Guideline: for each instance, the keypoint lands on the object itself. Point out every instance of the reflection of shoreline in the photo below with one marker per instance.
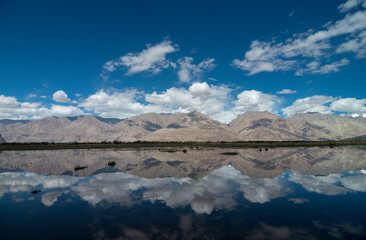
(218, 190)
(194, 164)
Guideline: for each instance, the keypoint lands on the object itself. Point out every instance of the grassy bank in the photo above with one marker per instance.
(144, 145)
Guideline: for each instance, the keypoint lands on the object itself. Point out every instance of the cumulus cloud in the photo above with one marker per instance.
(254, 100)
(349, 105)
(6, 102)
(58, 110)
(216, 101)
(152, 59)
(60, 96)
(11, 108)
(327, 105)
(311, 49)
(208, 99)
(119, 104)
(314, 103)
(287, 91)
(189, 71)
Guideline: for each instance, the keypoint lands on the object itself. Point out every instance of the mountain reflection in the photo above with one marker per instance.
(194, 164)
(223, 179)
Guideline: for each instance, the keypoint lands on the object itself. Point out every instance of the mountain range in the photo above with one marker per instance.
(193, 126)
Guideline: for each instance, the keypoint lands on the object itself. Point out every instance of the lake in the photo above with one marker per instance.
(279, 193)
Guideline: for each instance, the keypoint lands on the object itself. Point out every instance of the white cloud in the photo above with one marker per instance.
(351, 4)
(153, 59)
(118, 104)
(207, 99)
(314, 103)
(356, 45)
(11, 108)
(32, 95)
(8, 102)
(310, 48)
(327, 105)
(58, 110)
(349, 105)
(254, 101)
(189, 71)
(262, 58)
(287, 91)
(60, 96)
(315, 67)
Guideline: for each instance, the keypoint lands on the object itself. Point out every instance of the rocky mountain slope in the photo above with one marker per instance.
(7, 124)
(265, 126)
(59, 129)
(327, 126)
(2, 139)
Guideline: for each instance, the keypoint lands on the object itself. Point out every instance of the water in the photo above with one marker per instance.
(298, 193)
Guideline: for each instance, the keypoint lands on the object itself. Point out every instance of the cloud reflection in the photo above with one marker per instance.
(221, 189)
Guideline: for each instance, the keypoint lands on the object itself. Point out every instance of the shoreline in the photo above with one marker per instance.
(197, 145)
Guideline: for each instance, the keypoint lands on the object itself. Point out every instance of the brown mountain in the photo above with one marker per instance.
(59, 129)
(265, 126)
(193, 126)
(2, 139)
(327, 126)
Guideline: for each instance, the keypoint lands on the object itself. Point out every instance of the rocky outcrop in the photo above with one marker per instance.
(2, 140)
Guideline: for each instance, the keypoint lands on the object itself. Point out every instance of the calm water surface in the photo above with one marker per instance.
(298, 193)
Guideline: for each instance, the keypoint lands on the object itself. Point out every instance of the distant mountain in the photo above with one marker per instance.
(59, 129)
(327, 126)
(8, 124)
(265, 126)
(193, 126)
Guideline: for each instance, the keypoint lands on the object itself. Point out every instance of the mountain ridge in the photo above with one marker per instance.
(193, 126)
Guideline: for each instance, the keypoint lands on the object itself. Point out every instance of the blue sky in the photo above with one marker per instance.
(222, 58)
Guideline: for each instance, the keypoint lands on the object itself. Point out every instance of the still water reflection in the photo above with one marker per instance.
(297, 193)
